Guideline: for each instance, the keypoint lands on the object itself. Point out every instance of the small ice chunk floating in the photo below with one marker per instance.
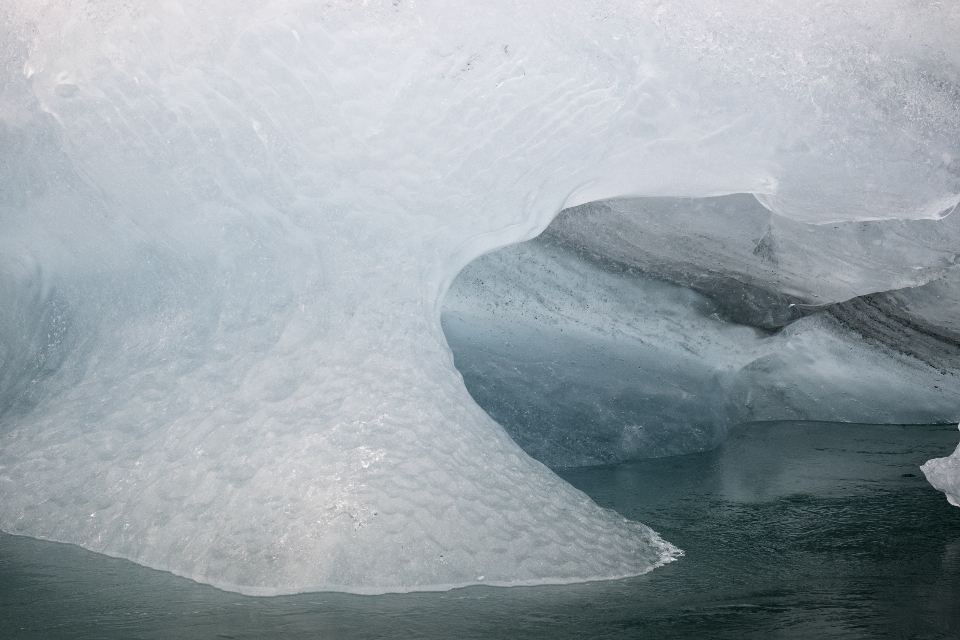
(944, 474)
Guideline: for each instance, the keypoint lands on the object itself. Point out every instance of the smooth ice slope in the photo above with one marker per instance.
(585, 366)
(761, 269)
(227, 228)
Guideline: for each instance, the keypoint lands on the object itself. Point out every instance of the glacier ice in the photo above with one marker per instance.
(228, 228)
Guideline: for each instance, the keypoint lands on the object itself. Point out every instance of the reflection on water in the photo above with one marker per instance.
(791, 530)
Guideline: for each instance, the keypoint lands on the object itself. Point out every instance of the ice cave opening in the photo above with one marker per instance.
(647, 327)
(230, 240)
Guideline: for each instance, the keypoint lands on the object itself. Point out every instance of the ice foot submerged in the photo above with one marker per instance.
(373, 479)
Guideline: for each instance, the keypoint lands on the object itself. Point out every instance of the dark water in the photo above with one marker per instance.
(791, 530)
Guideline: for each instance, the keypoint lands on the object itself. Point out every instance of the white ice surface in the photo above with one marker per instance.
(944, 474)
(228, 227)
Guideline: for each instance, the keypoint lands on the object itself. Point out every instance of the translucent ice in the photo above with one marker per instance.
(634, 345)
(760, 268)
(944, 474)
(228, 227)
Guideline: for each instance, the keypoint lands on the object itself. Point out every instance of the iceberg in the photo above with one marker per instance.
(229, 229)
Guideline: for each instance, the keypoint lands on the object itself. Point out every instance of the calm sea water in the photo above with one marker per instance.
(791, 530)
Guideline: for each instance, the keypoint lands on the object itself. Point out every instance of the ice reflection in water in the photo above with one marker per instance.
(791, 530)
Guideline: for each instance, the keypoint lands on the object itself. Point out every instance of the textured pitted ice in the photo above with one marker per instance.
(349, 497)
(229, 226)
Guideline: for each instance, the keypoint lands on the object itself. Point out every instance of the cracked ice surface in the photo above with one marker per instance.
(228, 228)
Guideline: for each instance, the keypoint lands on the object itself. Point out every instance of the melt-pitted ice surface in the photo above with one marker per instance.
(228, 228)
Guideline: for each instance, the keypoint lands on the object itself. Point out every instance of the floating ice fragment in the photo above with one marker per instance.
(944, 474)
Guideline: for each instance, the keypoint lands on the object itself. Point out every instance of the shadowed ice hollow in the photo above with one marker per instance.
(227, 229)
(647, 327)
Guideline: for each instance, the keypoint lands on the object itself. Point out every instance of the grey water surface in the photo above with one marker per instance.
(791, 530)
